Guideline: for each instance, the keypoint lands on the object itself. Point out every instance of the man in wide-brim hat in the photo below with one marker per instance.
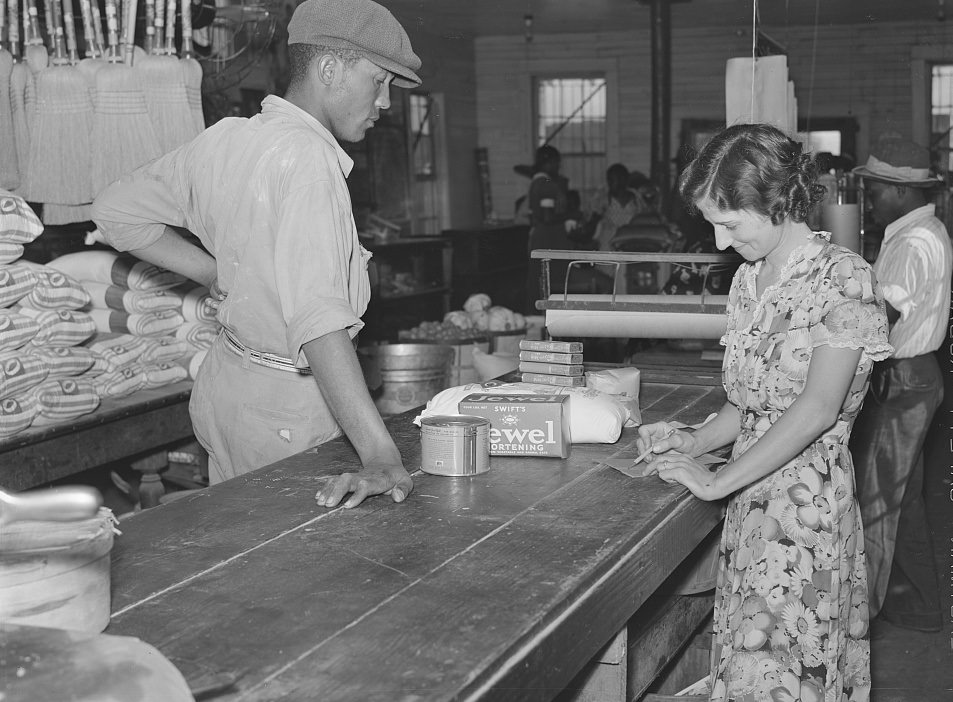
(914, 269)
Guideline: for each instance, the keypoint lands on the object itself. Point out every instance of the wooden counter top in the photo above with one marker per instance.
(497, 587)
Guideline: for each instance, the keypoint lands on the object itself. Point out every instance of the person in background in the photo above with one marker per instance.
(805, 324)
(914, 267)
(268, 200)
(615, 207)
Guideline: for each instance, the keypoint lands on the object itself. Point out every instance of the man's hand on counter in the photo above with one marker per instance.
(394, 481)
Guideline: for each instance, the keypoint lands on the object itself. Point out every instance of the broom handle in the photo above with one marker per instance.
(112, 30)
(98, 29)
(150, 26)
(3, 20)
(129, 25)
(88, 39)
(14, 30)
(169, 28)
(70, 25)
(160, 27)
(187, 28)
(34, 26)
(54, 20)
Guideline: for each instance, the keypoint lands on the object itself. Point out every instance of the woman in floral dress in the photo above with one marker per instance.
(805, 323)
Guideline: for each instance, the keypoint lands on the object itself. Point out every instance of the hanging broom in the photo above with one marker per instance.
(57, 213)
(9, 164)
(191, 69)
(164, 88)
(59, 148)
(123, 137)
(20, 76)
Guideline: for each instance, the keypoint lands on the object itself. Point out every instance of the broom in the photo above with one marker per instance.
(9, 164)
(59, 148)
(20, 76)
(56, 213)
(191, 69)
(123, 137)
(164, 88)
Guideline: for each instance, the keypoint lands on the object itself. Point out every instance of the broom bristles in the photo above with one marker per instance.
(192, 70)
(21, 102)
(9, 162)
(55, 213)
(123, 136)
(166, 100)
(59, 147)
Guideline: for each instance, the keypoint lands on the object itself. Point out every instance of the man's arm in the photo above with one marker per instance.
(338, 373)
(173, 252)
(139, 214)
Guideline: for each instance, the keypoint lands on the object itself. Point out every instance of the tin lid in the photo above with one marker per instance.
(454, 420)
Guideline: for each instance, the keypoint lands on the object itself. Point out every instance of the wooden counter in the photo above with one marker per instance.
(132, 427)
(497, 587)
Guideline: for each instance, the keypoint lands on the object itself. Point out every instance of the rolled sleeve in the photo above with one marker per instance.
(133, 212)
(314, 266)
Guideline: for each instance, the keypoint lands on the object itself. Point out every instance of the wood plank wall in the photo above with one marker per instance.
(859, 70)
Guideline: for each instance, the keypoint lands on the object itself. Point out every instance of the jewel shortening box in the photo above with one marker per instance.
(523, 425)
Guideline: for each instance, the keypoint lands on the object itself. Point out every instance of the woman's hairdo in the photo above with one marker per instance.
(754, 167)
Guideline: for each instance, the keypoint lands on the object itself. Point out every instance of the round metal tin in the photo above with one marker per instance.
(454, 444)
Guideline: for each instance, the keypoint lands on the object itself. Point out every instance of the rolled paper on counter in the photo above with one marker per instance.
(843, 222)
(641, 324)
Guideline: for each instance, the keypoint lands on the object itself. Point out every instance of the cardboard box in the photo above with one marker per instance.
(577, 381)
(551, 346)
(551, 368)
(523, 425)
(549, 357)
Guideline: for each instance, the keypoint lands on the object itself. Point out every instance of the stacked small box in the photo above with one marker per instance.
(552, 363)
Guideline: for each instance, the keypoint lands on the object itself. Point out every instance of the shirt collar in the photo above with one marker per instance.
(908, 219)
(273, 103)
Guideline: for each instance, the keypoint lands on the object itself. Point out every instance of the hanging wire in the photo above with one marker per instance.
(754, 58)
(810, 95)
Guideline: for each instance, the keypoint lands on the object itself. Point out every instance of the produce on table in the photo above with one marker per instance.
(477, 317)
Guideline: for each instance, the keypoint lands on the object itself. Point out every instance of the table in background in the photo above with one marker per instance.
(496, 587)
(139, 428)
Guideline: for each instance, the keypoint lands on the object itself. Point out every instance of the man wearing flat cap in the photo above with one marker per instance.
(914, 269)
(267, 198)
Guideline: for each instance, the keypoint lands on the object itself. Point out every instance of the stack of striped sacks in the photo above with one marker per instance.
(43, 372)
(153, 327)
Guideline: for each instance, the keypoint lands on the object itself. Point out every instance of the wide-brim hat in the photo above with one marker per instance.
(899, 162)
(360, 25)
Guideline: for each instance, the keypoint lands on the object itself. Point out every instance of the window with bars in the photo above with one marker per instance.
(941, 100)
(571, 116)
(421, 130)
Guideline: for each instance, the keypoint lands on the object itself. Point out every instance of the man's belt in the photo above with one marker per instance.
(269, 360)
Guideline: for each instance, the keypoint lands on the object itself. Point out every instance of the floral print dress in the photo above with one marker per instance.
(791, 604)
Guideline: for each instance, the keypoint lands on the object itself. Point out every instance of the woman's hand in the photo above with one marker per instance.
(662, 437)
(685, 470)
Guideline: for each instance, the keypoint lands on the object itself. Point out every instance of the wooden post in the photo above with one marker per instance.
(661, 23)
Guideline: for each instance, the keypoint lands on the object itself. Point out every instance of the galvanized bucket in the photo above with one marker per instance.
(405, 376)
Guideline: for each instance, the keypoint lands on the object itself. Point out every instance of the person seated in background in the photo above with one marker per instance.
(615, 207)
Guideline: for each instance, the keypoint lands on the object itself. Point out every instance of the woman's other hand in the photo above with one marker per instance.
(662, 437)
(685, 470)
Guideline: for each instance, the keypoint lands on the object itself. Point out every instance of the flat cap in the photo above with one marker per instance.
(361, 25)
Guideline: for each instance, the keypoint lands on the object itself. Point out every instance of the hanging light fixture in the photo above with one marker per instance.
(528, 26)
